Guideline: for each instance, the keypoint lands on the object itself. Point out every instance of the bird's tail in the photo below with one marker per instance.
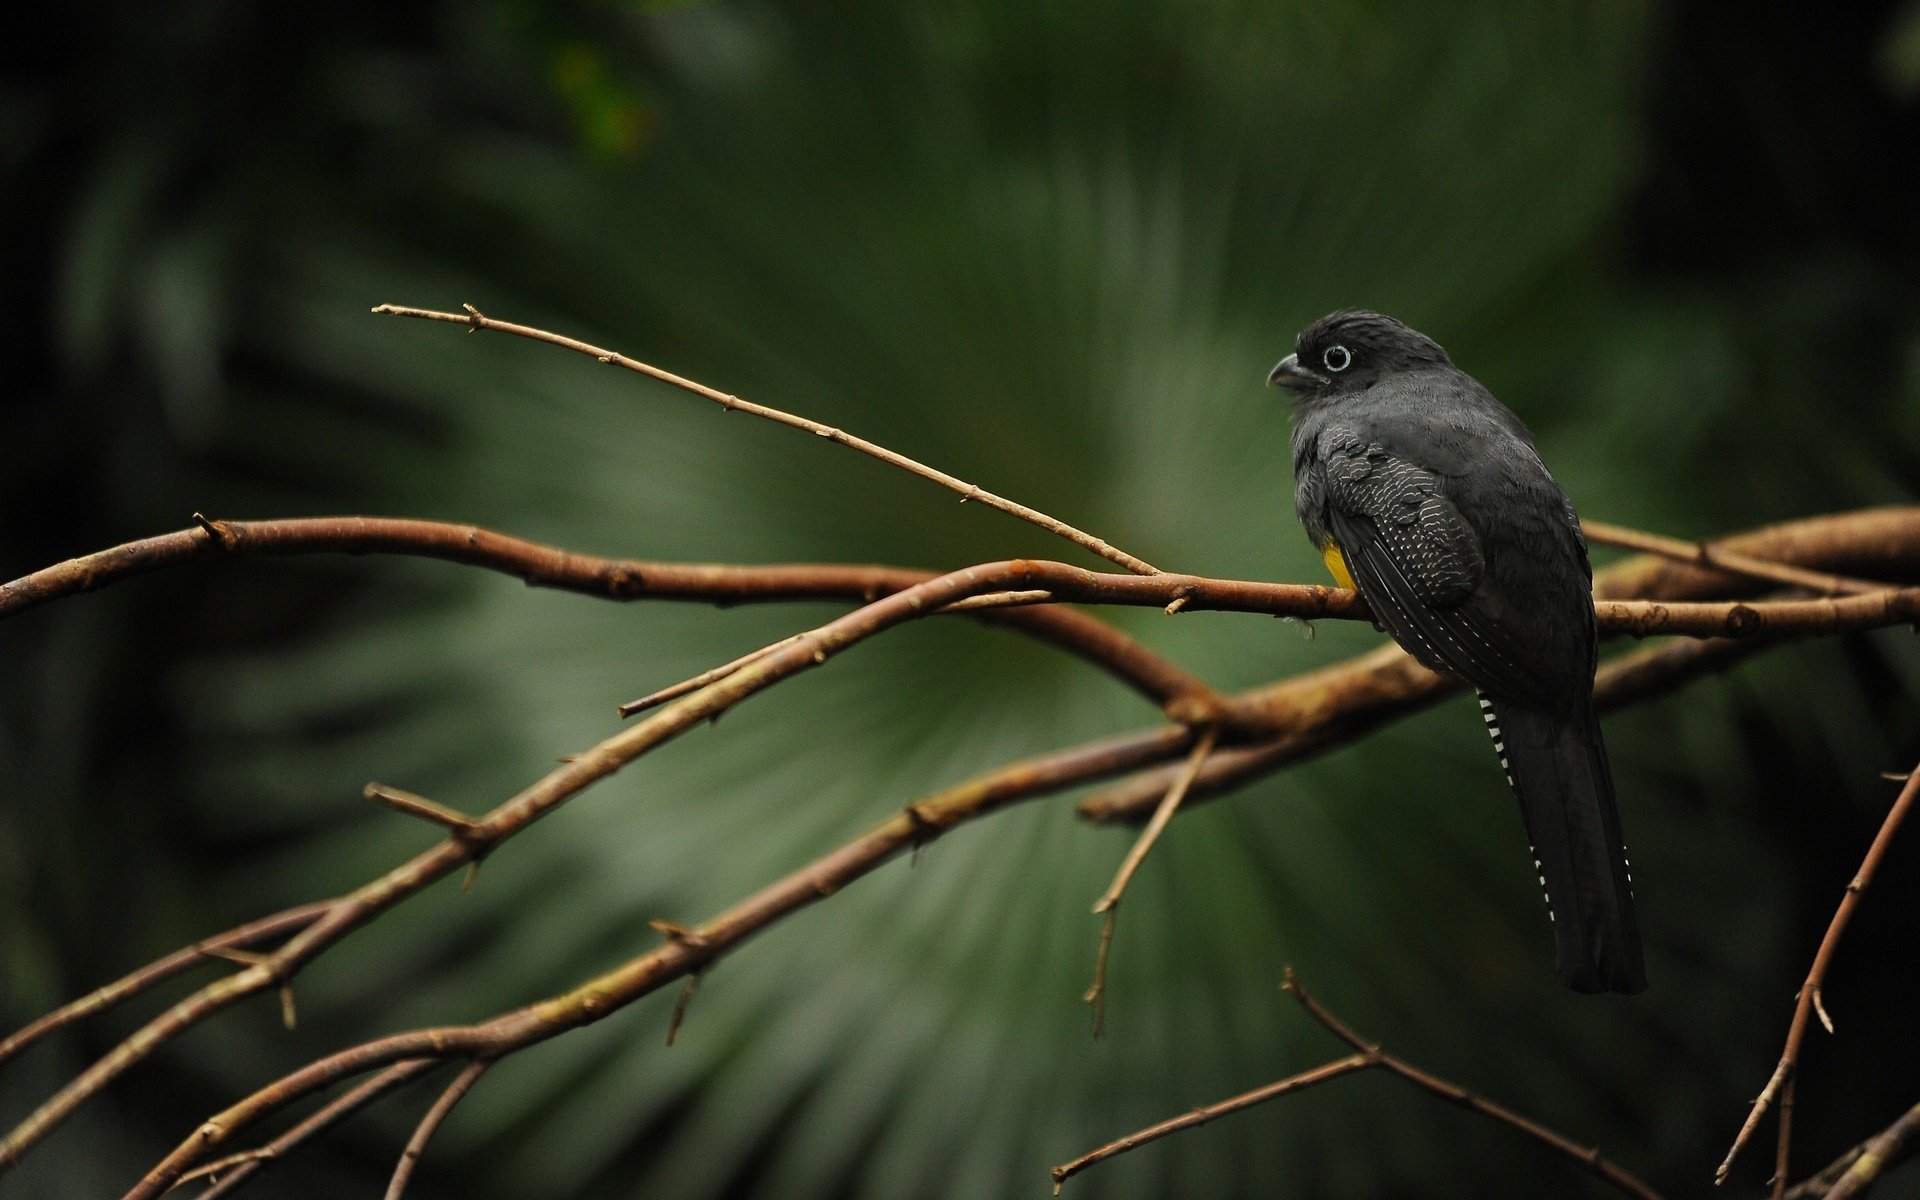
(1557, 765)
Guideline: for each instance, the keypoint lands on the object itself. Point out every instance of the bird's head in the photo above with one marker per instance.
(1349, 349)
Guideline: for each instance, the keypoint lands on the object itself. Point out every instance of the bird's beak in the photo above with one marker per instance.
(1294, 377)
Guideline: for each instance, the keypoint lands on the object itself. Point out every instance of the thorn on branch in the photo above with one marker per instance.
(680, 1006)
(679, 934)
(210, 1170)
(999, 600)
(922, 831)
(462, 827)
(220, 532)
(476, 320)
(687, 686)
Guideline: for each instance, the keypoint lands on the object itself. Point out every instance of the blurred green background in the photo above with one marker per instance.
(1052, 248)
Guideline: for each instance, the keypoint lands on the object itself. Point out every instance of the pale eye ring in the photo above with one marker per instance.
(1336, 358)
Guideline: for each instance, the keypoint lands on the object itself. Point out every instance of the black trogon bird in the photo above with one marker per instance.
(1427, 495)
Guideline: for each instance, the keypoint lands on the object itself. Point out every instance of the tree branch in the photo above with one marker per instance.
(153, 974)
(610, 578)
(484, 834)
(1705, 554)
(1293, 707)
(1108, 906)
(1781, 1085)
(699, 947)
(248, 1163)
(1855, 1172)
(1368, 1055)
(1211, 1112)
(676, 956)
(1367, 692)
(472, 318)
(1330, 706)
(430, 1124)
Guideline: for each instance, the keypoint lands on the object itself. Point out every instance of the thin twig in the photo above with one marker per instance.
(1210, 1112)
(1368, 1055)
(472, 318)
(1588, 1158)
(1704, 554)
(430, 1124)
(688, 686)
(1108, 906)
(251, 1162)
(1780, 1085)
(1110, 899)
(153, 974)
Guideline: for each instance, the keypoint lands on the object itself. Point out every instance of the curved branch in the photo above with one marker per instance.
(430, 1125)
(1884, 536)
(609, 578)
(249, 1163)
(473, 319)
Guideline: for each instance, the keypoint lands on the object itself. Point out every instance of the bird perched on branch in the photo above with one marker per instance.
(1426, 494)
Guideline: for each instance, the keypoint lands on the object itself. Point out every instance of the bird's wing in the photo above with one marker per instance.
(1422, 567)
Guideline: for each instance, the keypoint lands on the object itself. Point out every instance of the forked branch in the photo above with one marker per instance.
(1374, 688)
(1367, 1055)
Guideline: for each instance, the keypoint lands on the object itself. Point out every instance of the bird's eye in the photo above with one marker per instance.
(1337, 358)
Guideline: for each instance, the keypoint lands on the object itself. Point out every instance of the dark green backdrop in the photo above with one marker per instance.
(1052, 248)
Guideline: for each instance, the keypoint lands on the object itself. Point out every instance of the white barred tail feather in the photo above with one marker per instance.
(1557, 765)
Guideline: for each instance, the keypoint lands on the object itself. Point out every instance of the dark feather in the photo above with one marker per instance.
(1558, 768)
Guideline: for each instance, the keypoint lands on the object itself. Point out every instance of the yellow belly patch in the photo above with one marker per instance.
(1337, 565)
